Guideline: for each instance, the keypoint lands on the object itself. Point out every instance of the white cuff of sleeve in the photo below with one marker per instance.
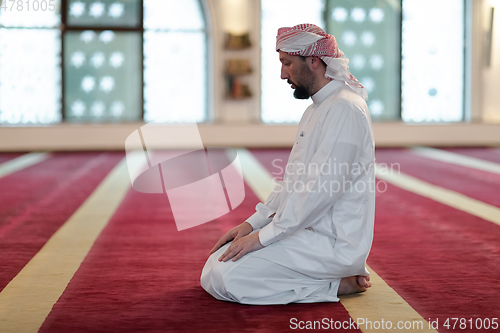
(257, 220)
(270, 234)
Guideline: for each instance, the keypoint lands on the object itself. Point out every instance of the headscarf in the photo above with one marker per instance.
(310, 40)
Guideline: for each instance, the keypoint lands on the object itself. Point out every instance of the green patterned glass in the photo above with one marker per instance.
(102, 76)
(107, 13)
(369, 34)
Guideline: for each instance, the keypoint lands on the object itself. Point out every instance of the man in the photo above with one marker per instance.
(309, 241)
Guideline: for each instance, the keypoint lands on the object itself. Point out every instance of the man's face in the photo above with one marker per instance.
(298, 74)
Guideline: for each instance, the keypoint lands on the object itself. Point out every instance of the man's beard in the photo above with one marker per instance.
(302, 91)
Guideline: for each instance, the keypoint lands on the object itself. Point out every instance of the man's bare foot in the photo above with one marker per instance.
(354, 284)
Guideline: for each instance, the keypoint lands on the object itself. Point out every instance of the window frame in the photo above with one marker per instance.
(466, 108)
(79, 28)
(139, 28)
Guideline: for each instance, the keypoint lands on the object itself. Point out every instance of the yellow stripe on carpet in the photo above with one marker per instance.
(27, 300)
(458, 159)
(255, 175)
(379, 303)
(451, 198)
(21, 162)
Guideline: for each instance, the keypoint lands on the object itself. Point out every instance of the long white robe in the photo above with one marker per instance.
(325, 208)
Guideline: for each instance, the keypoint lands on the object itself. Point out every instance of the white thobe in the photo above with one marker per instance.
(324, 210)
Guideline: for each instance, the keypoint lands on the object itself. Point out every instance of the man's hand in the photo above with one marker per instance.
(233, 235)
(241, 247)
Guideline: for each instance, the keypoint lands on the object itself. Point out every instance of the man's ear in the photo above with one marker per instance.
(315, 62)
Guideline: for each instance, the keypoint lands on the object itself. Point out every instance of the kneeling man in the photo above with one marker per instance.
(309, 241)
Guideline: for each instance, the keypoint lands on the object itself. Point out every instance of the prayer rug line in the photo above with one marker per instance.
(458, 159)
(21, 162)
(451, 198)
(29, 297)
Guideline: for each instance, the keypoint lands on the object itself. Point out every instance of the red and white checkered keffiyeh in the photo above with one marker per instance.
(310, 40)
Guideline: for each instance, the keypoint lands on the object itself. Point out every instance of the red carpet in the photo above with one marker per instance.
(443, 262)
(142, 275)
(477, 184)
(4, 157)
(40, 198)
(487, 154)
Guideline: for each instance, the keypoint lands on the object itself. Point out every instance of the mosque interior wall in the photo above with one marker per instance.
(237, 122)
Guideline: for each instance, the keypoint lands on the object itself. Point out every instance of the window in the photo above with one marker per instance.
(174, 48)
(278, 103)
(368, 32)
(433, 60)
(102, 75)
(408, 54)
(30, 60)
(112, 61)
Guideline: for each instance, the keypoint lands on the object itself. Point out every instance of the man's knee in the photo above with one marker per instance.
(221, 280)
(213, 275)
